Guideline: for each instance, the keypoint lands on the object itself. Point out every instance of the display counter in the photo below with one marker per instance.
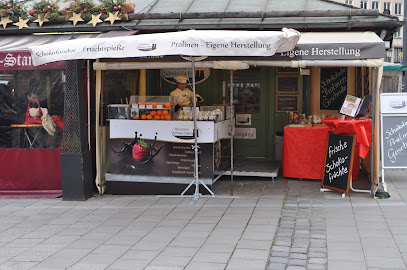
(304, 150)
(167, 155)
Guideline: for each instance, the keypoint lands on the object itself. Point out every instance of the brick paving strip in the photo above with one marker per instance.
(300, 241)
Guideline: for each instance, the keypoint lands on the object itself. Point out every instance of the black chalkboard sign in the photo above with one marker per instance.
(338, 162)
(333, 88)
(286, 103)
(394, 141)
(287, 84)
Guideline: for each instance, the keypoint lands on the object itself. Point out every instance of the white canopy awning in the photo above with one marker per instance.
(192, 43)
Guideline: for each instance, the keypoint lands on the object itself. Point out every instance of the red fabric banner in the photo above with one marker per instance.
(361, 127)
(30, 169)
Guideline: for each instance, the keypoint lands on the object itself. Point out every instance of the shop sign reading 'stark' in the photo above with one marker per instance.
(22, 61)
(9, 60)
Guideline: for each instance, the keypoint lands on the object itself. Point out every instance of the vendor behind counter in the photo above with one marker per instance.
(182, 96)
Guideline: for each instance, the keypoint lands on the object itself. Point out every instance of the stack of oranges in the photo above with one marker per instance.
(156, 115)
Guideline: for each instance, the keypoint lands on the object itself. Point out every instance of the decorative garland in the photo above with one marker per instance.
(77, 11)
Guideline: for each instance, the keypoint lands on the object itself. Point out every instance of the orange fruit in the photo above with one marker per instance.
(159, 112)
(149, 117)
(168, 117)
(162, 117)
(143, 117)
(154, 105)
(167, 105)
(157, 117)
(136, 117)
(165, 112)
(153, 113)
(143, 103)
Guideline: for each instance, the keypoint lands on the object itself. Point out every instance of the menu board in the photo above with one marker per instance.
(333, 88)
(338, 162)
(394, 141)
(287, 84)
(286, 103)
(350, 106)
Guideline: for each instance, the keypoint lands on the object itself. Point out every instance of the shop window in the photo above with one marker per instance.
(246, 91)
(48, 88)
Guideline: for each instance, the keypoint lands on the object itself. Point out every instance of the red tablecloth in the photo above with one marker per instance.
(361, 127)
(304, 152)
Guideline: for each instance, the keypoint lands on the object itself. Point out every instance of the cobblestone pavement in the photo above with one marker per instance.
(285, 224)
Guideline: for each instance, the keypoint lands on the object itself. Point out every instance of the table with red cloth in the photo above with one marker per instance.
(361, 127)
(304, 149)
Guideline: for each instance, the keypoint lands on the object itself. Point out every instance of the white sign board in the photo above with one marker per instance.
(393, 110)
(393, 103)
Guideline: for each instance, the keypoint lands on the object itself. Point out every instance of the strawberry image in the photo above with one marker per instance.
(141, 151)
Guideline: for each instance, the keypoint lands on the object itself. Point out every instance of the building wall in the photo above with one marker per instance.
(396, 9)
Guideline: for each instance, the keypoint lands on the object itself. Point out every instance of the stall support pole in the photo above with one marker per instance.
(196, 180)
(232, 132)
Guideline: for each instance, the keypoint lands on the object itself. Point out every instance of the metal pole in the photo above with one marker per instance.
(372, 108)
(232, 131)
(404, 62)
(196, 195)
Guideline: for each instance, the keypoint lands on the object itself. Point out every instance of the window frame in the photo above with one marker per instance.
(377, 4)
(387, 5)
(364, 4)
(398, 9)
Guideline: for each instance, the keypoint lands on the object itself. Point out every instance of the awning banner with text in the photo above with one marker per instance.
(189, 43)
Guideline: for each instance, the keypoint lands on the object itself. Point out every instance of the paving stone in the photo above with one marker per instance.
(274, 259)
(280, 248)
(317, 245)
(283, 243)
(280, 254)
(276, 266)
(295, 267)
(317, 260)
(300, 235)
(317, 254)
(317, 236)
(301, 256)
(317, 250)
(282, 238)
(299, 250)
(297, 262)
(316, 266)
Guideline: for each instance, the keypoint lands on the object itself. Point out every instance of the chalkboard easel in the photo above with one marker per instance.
(338, 162)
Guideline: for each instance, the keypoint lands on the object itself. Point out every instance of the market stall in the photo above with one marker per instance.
(318, 51)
